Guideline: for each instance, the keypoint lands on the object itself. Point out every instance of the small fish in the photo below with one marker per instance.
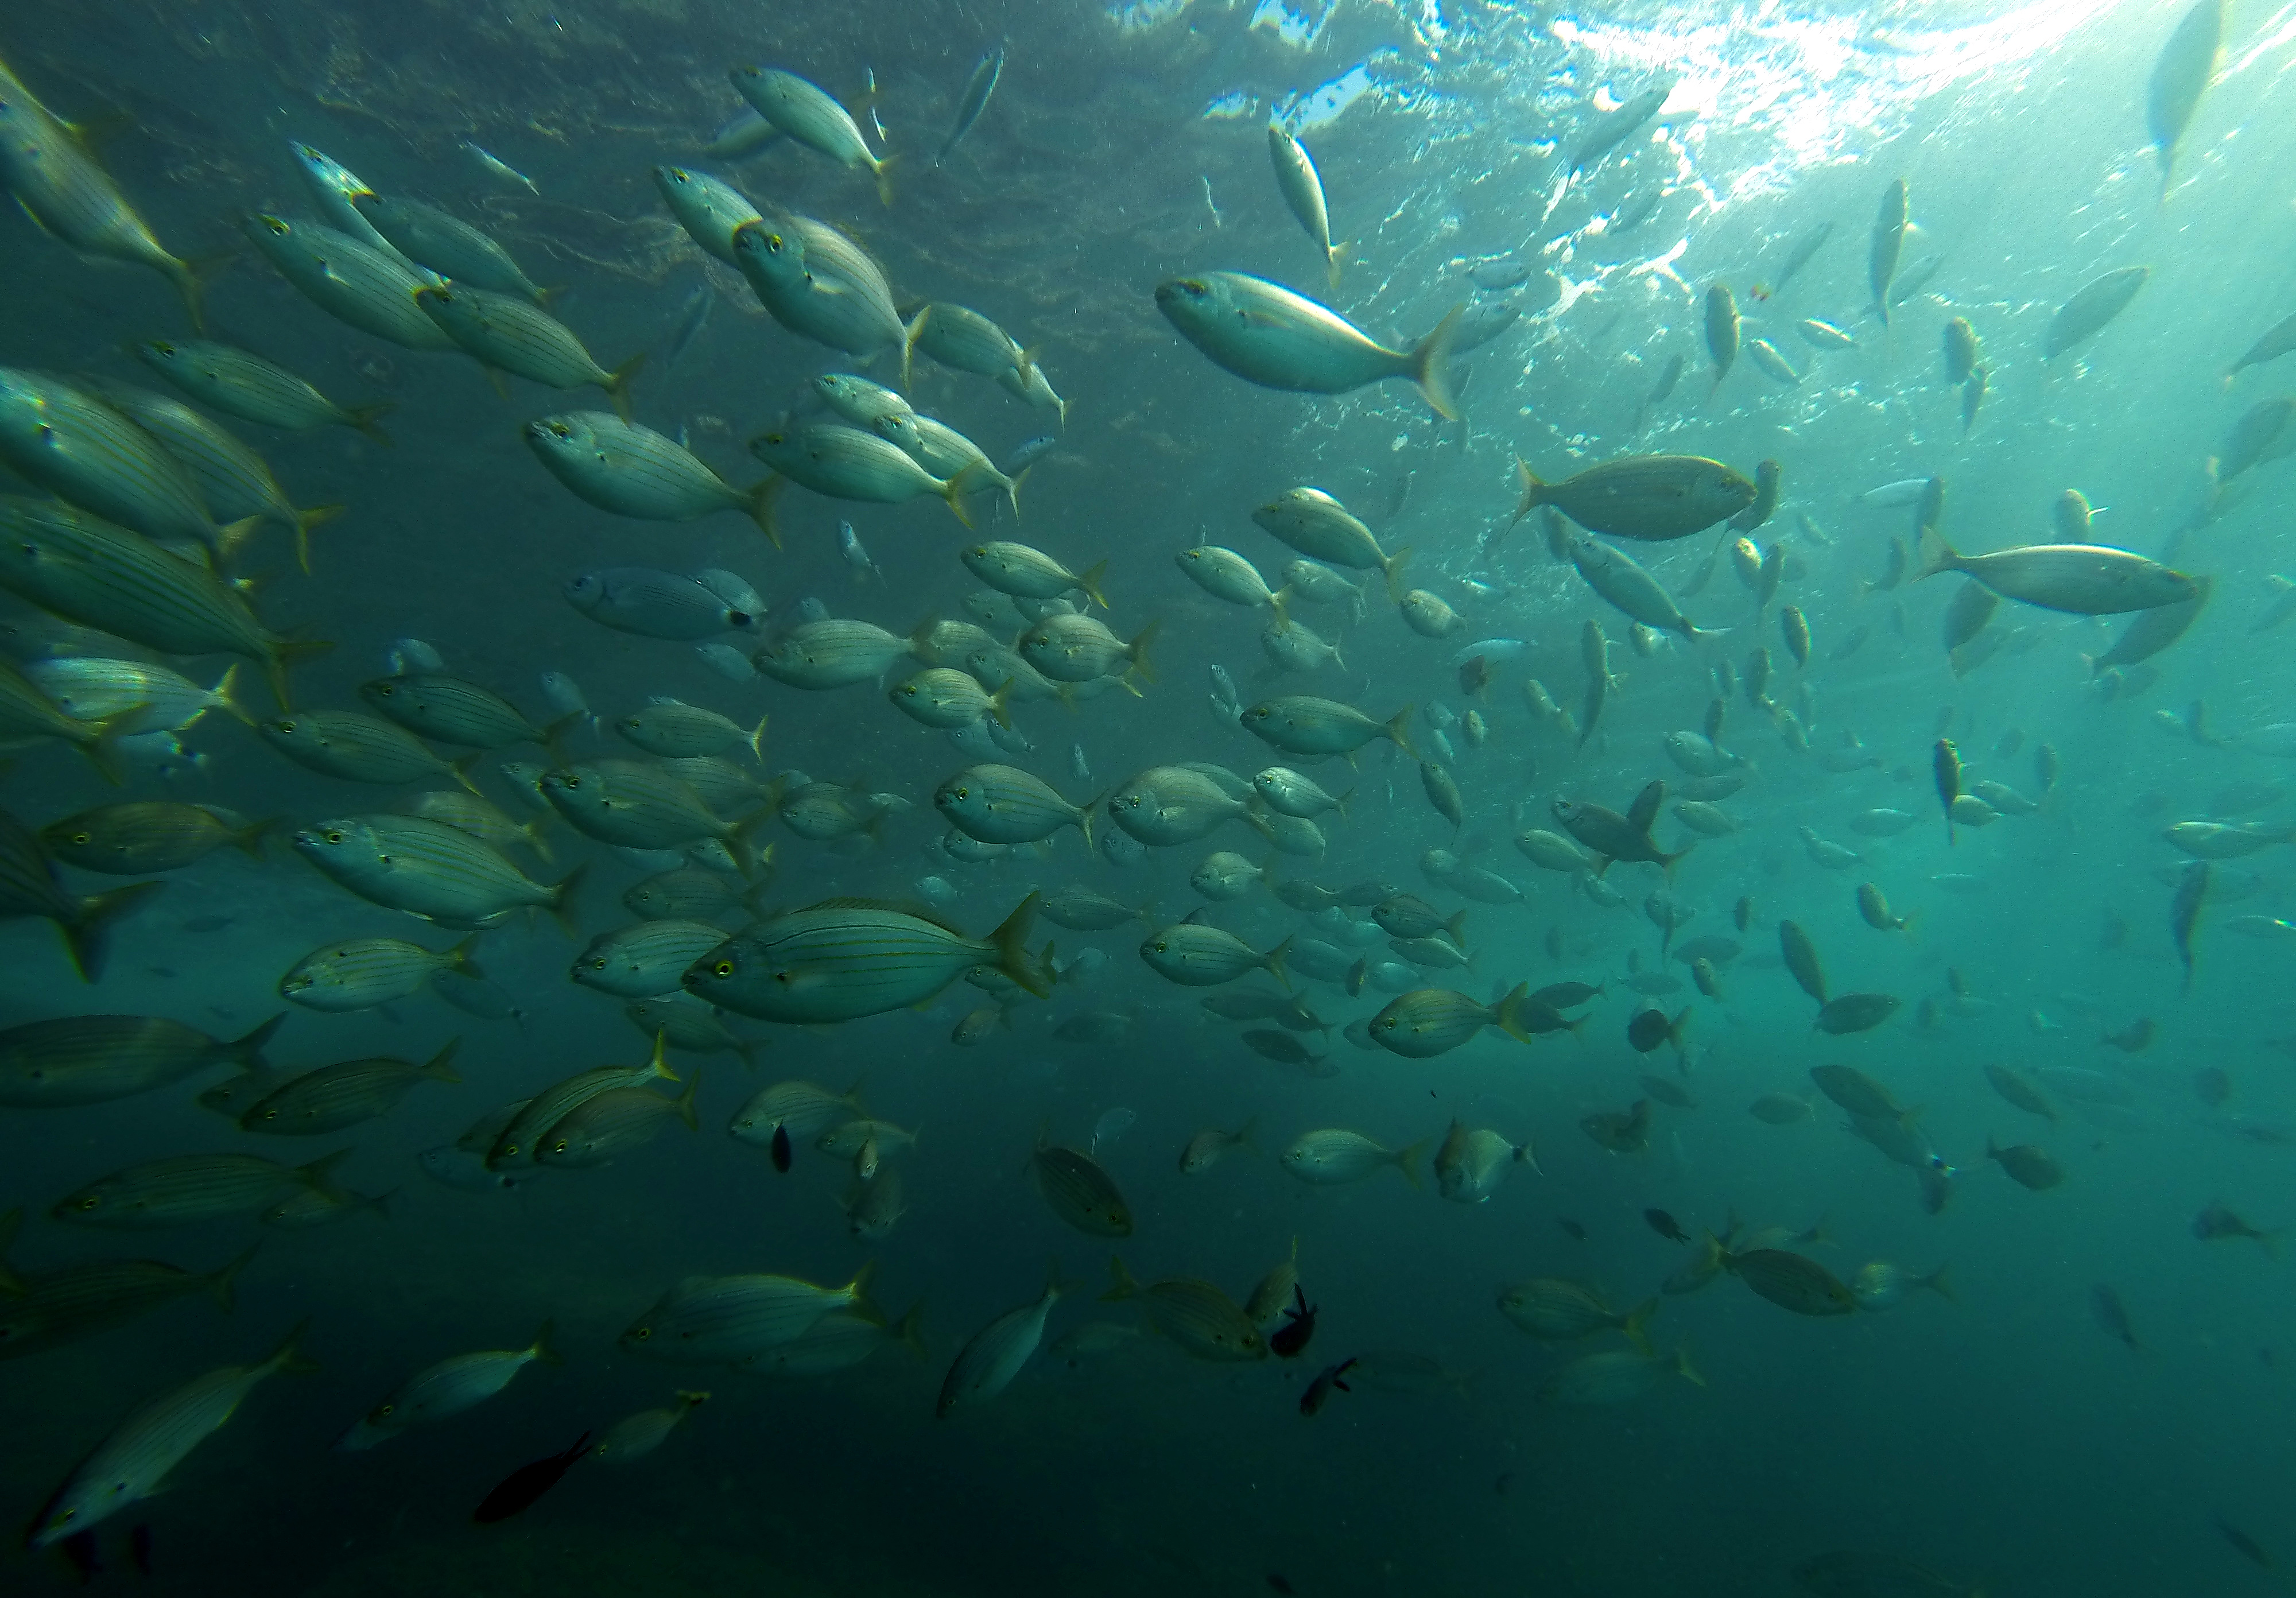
(516, 1493)
(499, 169)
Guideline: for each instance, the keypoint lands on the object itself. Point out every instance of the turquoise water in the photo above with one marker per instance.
(2004, 1437)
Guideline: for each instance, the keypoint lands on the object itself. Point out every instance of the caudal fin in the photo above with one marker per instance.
(1933, 554)
(366, 418)
(1534, 491)
(88, 934)
(761, 506)
(618, 386)
(1397, 732)
(1430, 362)
(1407, 1160)
(1011, 941)
(305, 520)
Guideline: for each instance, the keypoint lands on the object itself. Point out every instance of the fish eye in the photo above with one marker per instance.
(964, 794)
(597, 965)
(286, 726)
(641, 1333)
(277, 227)
(561, 1146)
(384, 691)
(159, 347)
(89, 1203)
(80, 838)
(334, 837)
(723, 968)
(381, 1410)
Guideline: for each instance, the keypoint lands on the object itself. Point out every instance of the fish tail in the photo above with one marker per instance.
(761, 506)
(1125, 1286)
(1247, 1137)
(562, 900)
(1933, 554)
(1013, 490)
(1534, 491)
(219, 1283)
(658, 1067)
(1457, 928)
(1090, 579)
(909, 1330)
(686, 1101)
(1683, 1368)
(1274, 959)
(618, 383)
(1407, 1160)
(1635, 1327)
(857, 1289)
(247, 1053)
(1430, 362)
(319, 1175)
(955, 490)
(1084, 825)
(542, 1348)
(1000, 704)
(881, 170)
(1279, 603)
(365, 418)
(1508, 1018)
(757, 739)
(1334, 256)
(88, 934)
(1391, 568)
(1397, 732)
(1011, 941)
(286, 653)
(1138, 650)
(1937, 1283)
(909, 336)
(191, 279)
(223, 698)
(305, 520)
(462, 770)
(288, 1355)
(746, 856)
(440, 1066)
(459, 958)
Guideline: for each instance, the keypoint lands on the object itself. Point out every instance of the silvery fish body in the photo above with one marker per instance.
(427, 869)
(245, 385)
(508, 332)
(818, 283)
(848, 958)
(708, 208)
(1302, 188)
(81, 449)
(370, 289)
(657, 604)
(834, 653)
(988, 1363)
(806, 113)
(446, 1388)
(645, 960)
(1268, 335)
(446, 245)
(1002, 804)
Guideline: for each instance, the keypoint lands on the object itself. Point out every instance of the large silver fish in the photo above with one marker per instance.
(1266, 334)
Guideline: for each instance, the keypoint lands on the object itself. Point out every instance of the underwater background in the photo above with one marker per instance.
(2003, 1437)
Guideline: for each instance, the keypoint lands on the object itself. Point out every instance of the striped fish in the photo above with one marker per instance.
(844, 462)
(29, 886)
(1201, 1320)
(634, 1437)
(481, 819)
(613, 1123)
(88, 1058)
(987, 1363)
(47, 1309)
(453, 711)
(506, 333)
(369, 288)
(337, 190)
(92, 688)
(818, 283)
(961, 338)
(127, 840)
(186, 1188)
(64, 190)
(515, 1144)
(78, 448)
(134, 1463)
(801, 1109)
(1079, 1192)
(709, 1320)
(446, 1388)
(634, 470)
(430, 870)
(245, 385)
(359, 748)
(722, 785)
(343, 1094)
(26, 712)
(1030, 386)
(446, 245)
(1002, 804)
(645, 960)
(685, 1022)
(633, 805)
(234, 481)
(360, 973)
(1196, 955)
(806, 113)
(674, 730)
(708, 208)
(943, 451)
(834, 653)
(847, 958)
(85, 570)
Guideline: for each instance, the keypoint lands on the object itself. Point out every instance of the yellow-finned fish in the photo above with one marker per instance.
(32, 885)
(92, 688)
(844, 462)
(818, 283)
(433, 870)
(613, 1123)
(964, 340)
(79, 448)
(187, 1188)
(67, 193)
(26, 712)
(634, 470)
(359, 973)
(127, 840)
(234, 481)
(846, 958)
(245, 385)
(135, 1461)
(370, 288)
(507, 332)
(710, 209)
(446, 1388)
(1302, 188)
(716, 1320)
(1204, 1322)
(89, 1059)
(335, 1096)
(359, 748)
(806, 113)
(446, 245)
(1266, 334)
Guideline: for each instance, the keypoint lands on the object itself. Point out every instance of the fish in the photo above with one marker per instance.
(1331, 1157)
(2216, 1222)
(977, 88)
(1302, 188)
(1791, 1281)
(632, 470)
(1198, 1318)
(2025, 1164)
(1204, 1150)
(430, 870)
(994, 1355)
(1888, 242)
(335, 1096)
(2180, 76)
(1269, 335)
(496, 167)
(842, 958)
(242, 383)
(1616, 1376)
(2086, 314)
(1646, 498)
(1317, 525)
(517, 1492)
(806, 113)
(135, 1461)
(440, 1392)
(2080, 579)
(1555, 1310)
(1078, 1190)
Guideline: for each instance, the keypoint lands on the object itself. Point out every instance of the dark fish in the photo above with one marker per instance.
(1857, 1012)
(1475, 676)
(1290, 1340)
(1800, 955)
(517, 1491)
(693, 316)
(1945, 765)
(2185, 911)
(1652, 1027)
(1571, 1226)
(977, 88)
(1666, 1226)
(2133, 1038)
(1888, 242)
(1319, 1391)
(2212, 1085)
(1620, 1131)
(781, 1149)
(1798, 256)
(2112, 1315)
(139, 1547)
(2249, 1548)
(1278, 1581)
(2180, 76)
